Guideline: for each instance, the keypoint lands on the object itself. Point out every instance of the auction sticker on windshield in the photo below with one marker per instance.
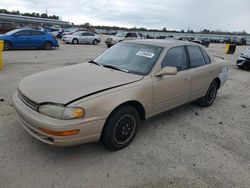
(145, 54)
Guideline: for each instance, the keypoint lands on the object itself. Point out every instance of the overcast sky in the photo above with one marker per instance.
(229, 15)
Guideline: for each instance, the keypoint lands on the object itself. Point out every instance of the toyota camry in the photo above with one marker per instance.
(107, 98)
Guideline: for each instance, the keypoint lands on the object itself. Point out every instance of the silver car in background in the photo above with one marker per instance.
(82, 37)
(243, 61)
(112, 40)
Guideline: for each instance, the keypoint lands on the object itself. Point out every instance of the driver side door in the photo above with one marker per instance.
(22, 39)
(171, 91)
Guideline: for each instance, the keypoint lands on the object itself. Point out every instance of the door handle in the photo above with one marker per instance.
(187, 78)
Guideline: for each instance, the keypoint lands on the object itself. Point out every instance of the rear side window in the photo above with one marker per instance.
(206, 57)
(36, 33)
(175, 57)
(196, 56)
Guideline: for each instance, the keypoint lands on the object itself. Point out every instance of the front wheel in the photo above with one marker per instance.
(210, 96)
(7, 46)
(240, 67)
(120, 128)
(95, 42)
(75, 41)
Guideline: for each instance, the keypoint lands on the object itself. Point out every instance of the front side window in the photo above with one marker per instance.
(128, 35)
(120, 34)
(175, 57)
(134, 58)
(23, 33)
(196, 56)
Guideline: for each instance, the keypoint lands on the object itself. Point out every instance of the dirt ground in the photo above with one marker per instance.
(186, 147)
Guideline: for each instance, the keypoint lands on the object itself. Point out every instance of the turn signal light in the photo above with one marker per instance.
(60, 133)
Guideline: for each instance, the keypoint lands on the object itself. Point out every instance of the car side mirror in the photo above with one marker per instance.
(16, 35)
(167, 71)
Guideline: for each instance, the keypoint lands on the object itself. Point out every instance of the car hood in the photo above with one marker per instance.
(66, 84)
(4, 36)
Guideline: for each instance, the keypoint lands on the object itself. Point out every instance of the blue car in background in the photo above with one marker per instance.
(28, 38)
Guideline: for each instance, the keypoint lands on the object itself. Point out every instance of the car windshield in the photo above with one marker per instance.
(133, 58)
(12, 32)
(120, 34)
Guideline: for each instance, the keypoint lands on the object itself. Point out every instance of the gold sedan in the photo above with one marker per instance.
(106, 98)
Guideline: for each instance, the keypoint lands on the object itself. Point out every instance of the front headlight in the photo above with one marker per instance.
(61, 112)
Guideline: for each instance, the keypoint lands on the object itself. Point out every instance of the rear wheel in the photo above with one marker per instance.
(120, 128)
(75, 41)
(7, 45)
(240, 67)
(210, 96)
(47, 46)
(109, 45)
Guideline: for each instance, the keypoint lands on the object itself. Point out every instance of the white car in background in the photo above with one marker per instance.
(72, 31)
(243, 61)
(82, 37)
(112, 40)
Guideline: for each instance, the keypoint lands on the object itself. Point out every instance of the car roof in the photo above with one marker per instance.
(161, 42)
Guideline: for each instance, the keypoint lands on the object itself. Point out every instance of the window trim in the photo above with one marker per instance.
(203, 53)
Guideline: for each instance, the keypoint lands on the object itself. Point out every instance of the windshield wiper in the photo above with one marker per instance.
(93, 62)
(115, 68)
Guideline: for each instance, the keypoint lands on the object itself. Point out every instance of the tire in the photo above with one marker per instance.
(47, 46)
(7, 45)
(121, 128)
(240, 67)
(75, 41)
(95, 42)
(109, 45)
(210, 96)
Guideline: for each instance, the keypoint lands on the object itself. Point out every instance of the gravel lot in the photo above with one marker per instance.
(186, 147)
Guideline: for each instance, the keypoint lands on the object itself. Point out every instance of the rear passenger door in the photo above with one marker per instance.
(83, 38)
(90, 38)
(201, 71)
(37, 38)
